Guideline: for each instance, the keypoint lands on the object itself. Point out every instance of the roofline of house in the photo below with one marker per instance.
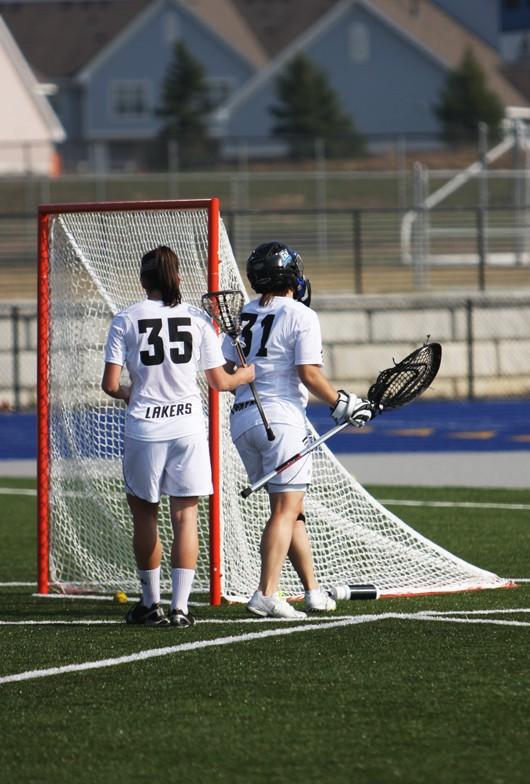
(31, 84)
(135, 24)
(306, 37)
(279, 61)
(114, 45)
(405, 34)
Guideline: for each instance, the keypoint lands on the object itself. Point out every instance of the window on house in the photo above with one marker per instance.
(171, 28)
(221, 87)
(131, 98)
(359, 43)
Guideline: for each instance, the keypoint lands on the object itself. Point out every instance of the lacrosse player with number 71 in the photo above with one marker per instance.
(281, 337)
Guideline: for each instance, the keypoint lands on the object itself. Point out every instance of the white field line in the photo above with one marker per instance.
(456, 504)
(250, 619)
(390, 501)
(99, 597)
(310, 619)
(491, 621)
(505, 611)
(207, 621)
(182, 648)
(18, 491)
(220, 641)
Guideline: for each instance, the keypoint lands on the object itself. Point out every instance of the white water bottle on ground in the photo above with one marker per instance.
(354, 592)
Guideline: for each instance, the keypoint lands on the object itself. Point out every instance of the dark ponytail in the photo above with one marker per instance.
(159, 271)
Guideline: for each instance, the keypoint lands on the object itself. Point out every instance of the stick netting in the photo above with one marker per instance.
(94, 273)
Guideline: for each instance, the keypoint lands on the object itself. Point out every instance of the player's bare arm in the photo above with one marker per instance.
(314, 379)
(110, 383)
(345, 406)
(222, 381)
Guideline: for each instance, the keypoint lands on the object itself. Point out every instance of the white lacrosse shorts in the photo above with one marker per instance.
(179, 467)
(261, 456)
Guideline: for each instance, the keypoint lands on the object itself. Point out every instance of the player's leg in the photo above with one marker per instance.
(187, 475)
(142, 467)
(184, 554)
(277, 537)
(286, 495)
(300, 554)
(301, 557)
(275, 542)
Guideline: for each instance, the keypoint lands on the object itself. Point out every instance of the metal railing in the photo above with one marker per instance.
(354, 250)
(486, 342)
(18, 356)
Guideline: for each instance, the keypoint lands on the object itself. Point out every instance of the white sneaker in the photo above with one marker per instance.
(319, 600)
(272, 606)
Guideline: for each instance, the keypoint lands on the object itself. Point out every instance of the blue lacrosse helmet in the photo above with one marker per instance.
(273, 266)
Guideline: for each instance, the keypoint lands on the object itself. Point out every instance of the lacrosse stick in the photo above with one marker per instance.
(225, 307)
(394, 387)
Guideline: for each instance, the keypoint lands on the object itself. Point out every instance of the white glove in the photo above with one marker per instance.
(362, 414)
(352, 409)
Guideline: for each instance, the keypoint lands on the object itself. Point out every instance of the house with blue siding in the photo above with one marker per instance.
(386, 59)
(108, 61)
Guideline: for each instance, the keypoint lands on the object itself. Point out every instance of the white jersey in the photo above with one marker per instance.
(163, 347)
(277, 337)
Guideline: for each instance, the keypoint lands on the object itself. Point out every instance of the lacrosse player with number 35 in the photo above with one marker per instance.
(164, 342)
(281, 337)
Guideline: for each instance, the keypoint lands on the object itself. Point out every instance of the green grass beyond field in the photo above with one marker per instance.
(427, 689)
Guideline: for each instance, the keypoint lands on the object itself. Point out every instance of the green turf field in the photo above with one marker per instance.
(427, 689)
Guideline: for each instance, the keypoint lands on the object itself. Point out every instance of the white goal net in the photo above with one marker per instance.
(94, 273)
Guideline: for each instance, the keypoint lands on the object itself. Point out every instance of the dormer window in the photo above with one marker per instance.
(359, 43)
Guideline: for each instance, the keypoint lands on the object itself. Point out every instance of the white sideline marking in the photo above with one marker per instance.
(456, 504)
(17, 491)
(183, 647)
(98, 597)
(390, 501)
(254, 620)
(476, 612)
(80, 622)
(14, 584)
(89, 622)
(492, 621)
(277, 632)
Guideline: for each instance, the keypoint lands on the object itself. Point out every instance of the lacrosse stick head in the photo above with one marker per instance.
(225, 307)
(399, 385)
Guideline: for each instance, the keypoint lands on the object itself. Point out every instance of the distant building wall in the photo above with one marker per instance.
(26, 137)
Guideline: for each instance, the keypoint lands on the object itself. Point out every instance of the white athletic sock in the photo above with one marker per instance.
(181, 581)
(150, 582)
